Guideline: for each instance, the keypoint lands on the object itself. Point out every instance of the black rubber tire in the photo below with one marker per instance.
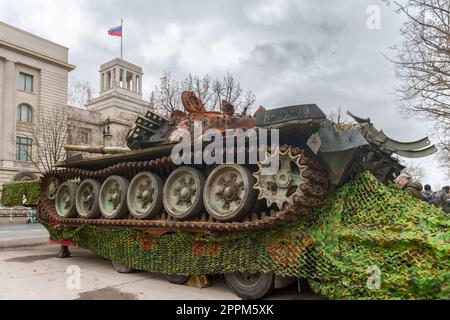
(256, 290)
(24, 175)
(94, 212)
(176, 279)
(197, 208)
(64, 252)
(73, 187)
(121, 268)
(248, 202)
(122, 211)
(157, 205)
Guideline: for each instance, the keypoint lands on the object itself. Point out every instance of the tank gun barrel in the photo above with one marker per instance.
(96, 149)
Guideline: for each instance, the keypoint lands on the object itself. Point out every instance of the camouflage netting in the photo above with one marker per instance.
(13, 191)
(364, 228)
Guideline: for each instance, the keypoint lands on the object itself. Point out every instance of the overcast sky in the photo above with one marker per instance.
(286, 51)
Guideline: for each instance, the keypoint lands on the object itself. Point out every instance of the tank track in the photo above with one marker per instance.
(315, 189)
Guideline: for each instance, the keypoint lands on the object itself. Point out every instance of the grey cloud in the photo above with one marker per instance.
(278, 57)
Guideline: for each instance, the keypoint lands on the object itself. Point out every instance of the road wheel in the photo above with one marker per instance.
(144, 196)
(112, 199)
(65, 200)
(176, 279)
(121, 268)
(87, 199)
(229, 193)
(250, 284)
(182, 195)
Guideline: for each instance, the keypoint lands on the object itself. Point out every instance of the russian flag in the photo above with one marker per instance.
(116, 31)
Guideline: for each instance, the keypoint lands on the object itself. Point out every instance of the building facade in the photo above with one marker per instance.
(115, 109)
(33, 84)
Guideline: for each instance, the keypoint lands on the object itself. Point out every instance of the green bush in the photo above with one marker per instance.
(13, 191)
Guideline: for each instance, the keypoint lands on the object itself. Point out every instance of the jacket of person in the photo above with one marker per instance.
(414, 188)
(428, 195)
(442, 199)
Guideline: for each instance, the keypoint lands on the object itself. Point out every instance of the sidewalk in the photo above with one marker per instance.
(13, 220)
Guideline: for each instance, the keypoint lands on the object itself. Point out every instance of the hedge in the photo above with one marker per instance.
(13, 191)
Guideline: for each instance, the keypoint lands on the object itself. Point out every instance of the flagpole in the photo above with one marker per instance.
(121, 39)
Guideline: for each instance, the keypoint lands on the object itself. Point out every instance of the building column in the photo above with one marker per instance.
(117, 77)
(140, 84)
(101, 82)
(105, 81)
(134, 82)
(9, 115)
(111, 81)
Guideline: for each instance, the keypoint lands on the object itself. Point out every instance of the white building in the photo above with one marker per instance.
(33, 83)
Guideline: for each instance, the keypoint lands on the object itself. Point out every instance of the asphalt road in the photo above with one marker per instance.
(30, 269)
(13, 235)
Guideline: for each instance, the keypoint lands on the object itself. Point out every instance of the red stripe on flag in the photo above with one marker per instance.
(116, 34)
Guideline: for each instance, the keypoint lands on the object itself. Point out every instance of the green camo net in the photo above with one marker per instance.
(367, 241)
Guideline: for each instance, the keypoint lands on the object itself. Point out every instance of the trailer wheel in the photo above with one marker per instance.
(121, 268)
(176, 279)
(250, 284)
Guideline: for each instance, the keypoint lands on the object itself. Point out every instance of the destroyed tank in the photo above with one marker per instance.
(143, 187)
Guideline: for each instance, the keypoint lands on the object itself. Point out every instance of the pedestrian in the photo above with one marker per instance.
(442, 199)
(428, 194)
(407, 184)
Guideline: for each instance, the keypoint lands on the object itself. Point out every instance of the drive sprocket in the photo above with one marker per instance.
(285, 187)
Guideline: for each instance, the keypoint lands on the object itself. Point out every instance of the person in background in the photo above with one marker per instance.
(442, 199)
(407, 184)
(428, 194)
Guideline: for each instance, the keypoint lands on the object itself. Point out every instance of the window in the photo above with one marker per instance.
(25, 82)
(24, 113)
(84, 137)
(24, 148)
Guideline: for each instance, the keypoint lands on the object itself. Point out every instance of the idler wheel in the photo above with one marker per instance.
(182, 195)
(144, 196)
(229, 193)
(87, 200)
(112, 200)
(65, 200)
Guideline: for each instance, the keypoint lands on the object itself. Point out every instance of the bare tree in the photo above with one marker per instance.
(49, 134)
(416, 171)
(79, 93)
(423, 65)
(166, 96)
